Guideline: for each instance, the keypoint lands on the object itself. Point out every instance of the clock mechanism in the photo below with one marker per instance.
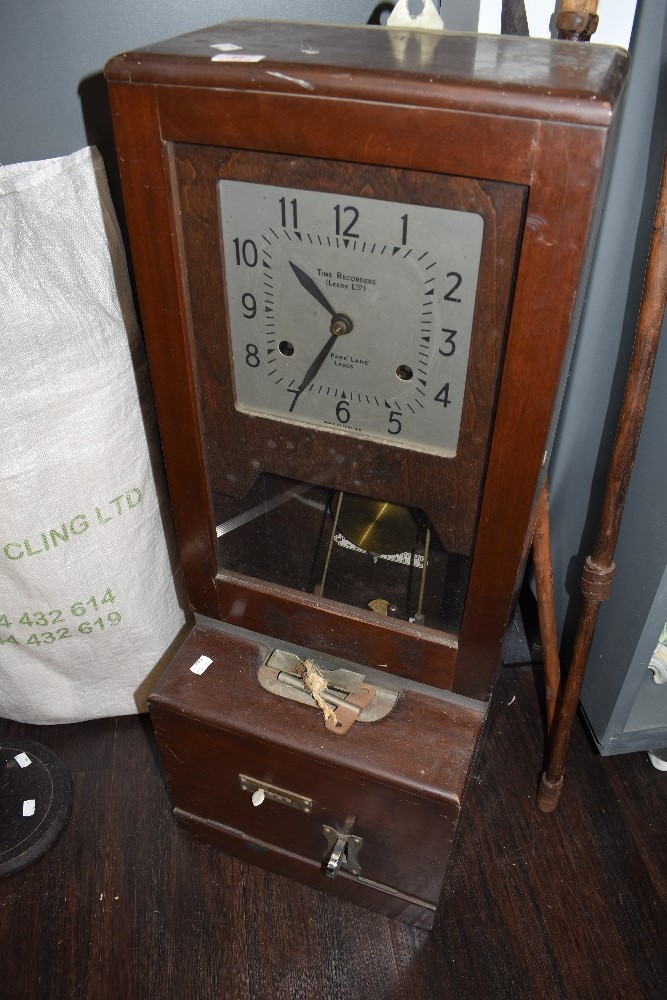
(387, 362)
(358, 255)
(382, 387)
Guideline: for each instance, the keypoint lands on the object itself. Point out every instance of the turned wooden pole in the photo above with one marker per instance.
(544, 589)
(577, 20)
(599, 567)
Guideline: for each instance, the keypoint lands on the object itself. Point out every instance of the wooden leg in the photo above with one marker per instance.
(544, 585)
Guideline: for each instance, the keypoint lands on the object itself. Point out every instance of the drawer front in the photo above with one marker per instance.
(405, 838)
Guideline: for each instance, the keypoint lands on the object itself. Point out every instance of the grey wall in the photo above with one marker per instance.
(625, 709)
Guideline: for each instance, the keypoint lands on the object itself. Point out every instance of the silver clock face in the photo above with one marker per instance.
(350, 314)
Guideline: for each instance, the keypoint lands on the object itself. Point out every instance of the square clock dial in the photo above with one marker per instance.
(350, 313)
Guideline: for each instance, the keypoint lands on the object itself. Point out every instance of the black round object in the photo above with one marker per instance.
(35, 802)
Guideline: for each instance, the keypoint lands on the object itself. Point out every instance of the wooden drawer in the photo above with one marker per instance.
(397, 783)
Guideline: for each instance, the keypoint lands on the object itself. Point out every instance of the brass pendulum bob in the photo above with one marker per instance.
(377, 526)
(381, 529)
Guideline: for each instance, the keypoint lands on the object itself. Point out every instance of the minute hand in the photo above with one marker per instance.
(314, 368)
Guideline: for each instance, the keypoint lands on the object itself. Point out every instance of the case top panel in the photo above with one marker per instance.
(517, 77)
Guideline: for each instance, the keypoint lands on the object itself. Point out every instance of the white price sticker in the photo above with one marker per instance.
(200, 665)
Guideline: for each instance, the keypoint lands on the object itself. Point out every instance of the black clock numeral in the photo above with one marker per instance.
(246, 252)
(340, 211)
(284, 213)
(295, 396)
(443, 395)
(394, 422)
(343, 412)
(252, 355)
(249, 304)
(449, 342)
(449, 296)
(404, 236)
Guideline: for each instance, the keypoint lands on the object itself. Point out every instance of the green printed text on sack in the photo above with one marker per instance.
(52, 538)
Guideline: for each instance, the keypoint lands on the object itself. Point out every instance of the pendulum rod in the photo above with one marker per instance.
(319, 589)
(419, 617)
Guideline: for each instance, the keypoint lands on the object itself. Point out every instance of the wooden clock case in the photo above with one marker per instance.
(516, 130)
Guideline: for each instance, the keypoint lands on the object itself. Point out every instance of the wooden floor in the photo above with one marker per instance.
(571, 905)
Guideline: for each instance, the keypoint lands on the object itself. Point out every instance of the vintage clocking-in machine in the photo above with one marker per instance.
(358, 252)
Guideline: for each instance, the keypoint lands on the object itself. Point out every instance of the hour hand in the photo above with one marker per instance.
(340, 323)
(311, 287)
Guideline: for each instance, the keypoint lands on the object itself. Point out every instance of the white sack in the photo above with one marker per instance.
(88, 595)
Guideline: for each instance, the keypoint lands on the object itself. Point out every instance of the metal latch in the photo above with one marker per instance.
(343, 852)
(346, 691)
(348, 708)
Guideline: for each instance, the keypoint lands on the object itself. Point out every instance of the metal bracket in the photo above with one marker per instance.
(349, 708)
(343, 852)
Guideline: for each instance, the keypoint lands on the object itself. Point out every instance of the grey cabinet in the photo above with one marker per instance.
(624, 706)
